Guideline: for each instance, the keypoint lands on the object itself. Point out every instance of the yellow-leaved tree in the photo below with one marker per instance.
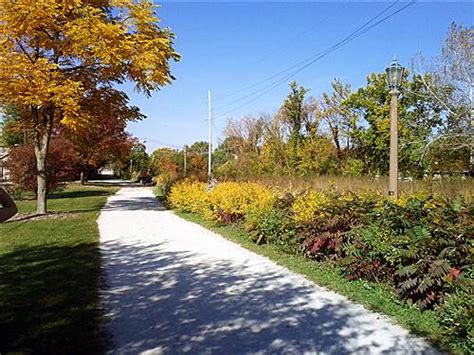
(53, 53)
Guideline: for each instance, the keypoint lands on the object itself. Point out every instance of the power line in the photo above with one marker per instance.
(271, 77)
(355, 34)
(311, 57)
(161, 143)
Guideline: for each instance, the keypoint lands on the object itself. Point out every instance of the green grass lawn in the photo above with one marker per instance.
(50, 275)
(377, 297)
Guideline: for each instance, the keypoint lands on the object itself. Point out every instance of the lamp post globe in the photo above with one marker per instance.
(394, 75)
(394, 79)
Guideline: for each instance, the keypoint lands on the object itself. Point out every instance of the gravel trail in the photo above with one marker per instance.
(173, 287)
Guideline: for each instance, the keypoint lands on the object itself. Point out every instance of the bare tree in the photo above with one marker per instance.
(276, 135)
(247, 136)
(336, 118)
(450, 83)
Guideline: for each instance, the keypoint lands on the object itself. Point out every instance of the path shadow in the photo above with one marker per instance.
(113, 182)
(164, 301)
(142, 203)
(49, 301)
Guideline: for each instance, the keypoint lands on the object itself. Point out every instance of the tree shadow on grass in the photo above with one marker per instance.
(114, 182)
(49, 300)
(168, 301)
(79, 194)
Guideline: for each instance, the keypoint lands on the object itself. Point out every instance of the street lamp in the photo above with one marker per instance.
(394, 80)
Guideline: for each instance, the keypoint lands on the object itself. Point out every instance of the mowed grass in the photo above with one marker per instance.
(378, 297)
(50, 275)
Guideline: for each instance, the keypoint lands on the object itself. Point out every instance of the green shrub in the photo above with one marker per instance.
(275, 227)
(135, 176)
(370, 253)
(457, 319)
(165, 181)
(353, 167)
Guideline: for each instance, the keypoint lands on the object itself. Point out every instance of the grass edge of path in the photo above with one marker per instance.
(380, 298)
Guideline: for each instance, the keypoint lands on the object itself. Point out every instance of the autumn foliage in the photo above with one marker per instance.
(55, 56)
(62, 165)
(104, 138)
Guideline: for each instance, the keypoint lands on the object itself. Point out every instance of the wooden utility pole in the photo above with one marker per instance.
(209, 165)
(185, 159)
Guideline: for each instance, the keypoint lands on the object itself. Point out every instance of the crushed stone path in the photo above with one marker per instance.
(173, 287)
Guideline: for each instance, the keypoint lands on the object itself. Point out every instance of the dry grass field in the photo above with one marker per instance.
(446, 187)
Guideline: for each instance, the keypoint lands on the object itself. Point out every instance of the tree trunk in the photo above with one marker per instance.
(41, 151)
(338, 144)
(335, 137)
(83, 176)
(41, 140)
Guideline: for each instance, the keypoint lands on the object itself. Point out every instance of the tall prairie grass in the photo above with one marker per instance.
(446, 187)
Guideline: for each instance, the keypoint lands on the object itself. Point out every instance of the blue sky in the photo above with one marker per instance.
(227, 47)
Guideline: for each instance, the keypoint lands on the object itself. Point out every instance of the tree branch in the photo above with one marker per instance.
(25, 51)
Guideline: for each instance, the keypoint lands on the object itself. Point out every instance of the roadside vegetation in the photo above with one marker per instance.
(410, 258)
(50, 275)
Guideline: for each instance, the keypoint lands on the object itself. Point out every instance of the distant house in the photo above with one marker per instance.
(3, 158)
(4, 175)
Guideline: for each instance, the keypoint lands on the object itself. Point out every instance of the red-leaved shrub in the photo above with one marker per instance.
(61, 165)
